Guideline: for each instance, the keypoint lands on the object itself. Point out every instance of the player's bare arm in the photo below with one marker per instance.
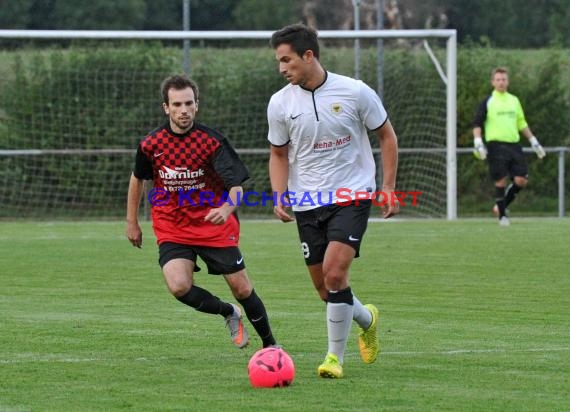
(389, 146)
(278, 175)
(219, 215)
(527, 133)
(133, 231)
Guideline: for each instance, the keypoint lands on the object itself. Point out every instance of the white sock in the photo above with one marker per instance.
(339, 320)
(361, 315)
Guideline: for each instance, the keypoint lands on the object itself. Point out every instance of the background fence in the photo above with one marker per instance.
(72, 112)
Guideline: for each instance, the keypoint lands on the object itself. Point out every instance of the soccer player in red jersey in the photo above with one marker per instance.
(197, 178)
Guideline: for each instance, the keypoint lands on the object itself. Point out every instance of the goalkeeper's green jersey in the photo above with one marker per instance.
(501, 117)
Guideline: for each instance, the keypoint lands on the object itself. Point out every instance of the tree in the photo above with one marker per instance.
(559, 25)
(503, 23)
(41, 15)
(14, 14)
(165, 15)
(100, 14)
(212, 14)
(266, 15)
(510, 23)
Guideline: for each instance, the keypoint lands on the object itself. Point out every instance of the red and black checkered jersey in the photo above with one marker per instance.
(192, 173)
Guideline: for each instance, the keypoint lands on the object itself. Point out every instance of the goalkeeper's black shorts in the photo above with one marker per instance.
(506, 159)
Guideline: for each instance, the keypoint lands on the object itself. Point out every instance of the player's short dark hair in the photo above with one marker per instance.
(299, 36)
(502, 70)
(178, 82)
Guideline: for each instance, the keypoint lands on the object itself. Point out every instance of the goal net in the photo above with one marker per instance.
(73, 106)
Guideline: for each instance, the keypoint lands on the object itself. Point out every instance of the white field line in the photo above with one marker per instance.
(454, 352)
(473, 351)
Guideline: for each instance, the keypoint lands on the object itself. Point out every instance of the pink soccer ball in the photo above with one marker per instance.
(271, 368)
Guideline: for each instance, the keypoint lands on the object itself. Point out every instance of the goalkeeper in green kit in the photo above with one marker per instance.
(500, 120)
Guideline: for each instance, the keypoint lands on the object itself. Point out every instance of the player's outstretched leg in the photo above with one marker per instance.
(203, 301)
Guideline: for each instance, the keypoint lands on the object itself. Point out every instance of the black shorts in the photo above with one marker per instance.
(317, 227)
(506, 159)
(219, 260)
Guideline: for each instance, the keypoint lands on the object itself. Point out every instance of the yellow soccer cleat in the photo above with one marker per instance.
(330, 368)
(368, 338)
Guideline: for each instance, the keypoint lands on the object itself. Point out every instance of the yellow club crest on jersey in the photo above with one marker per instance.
(336, 108)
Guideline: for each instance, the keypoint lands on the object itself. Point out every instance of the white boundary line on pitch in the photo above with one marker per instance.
(474, 351)
(54, 359)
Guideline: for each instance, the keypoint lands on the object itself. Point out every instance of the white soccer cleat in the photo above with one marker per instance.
(504, 221)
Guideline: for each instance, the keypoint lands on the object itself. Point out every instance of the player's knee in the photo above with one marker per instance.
(179, 289)
(520, 181)
(336, 279)
(502, 182)
(242, 293)
(241, 286)
(335, 275)
(177, 285)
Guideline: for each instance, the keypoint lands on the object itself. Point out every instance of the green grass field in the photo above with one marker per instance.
(475, 317)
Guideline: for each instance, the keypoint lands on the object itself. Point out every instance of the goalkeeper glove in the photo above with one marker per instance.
(480, 152)
(537, 147)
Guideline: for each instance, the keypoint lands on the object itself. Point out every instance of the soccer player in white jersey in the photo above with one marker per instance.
(321, 164)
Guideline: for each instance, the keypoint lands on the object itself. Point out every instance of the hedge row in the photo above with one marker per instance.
(108, 97)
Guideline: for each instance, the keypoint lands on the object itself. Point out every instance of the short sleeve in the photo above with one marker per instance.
(278, 134)
(481, 113)
(229, 166)
(371, 109)
(521, 121)
(143, 165)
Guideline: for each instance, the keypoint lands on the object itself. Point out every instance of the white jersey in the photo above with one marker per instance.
(327, 133)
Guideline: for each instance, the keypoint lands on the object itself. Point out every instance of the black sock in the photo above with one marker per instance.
(203, 301)
(257, 316)
(511, 193)
(500, 200)
(341, 296)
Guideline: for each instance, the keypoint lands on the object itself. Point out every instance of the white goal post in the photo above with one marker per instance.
(446, 75)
